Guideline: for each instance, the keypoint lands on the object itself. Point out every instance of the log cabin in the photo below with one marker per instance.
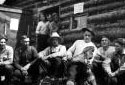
(105, 17)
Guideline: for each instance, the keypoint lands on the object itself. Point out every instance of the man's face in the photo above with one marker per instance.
(49, 18)
(118, 47)
(42, 17)
(87, 36)
(55, 42)
(55, 17)
(2, 43)
(25, 42)
(104, 42)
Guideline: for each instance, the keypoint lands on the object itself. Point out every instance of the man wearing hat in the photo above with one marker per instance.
(24, 60)
(6, 60)
(53, 54)
(78, 47)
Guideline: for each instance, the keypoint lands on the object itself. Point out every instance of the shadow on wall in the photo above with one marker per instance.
(25, 25)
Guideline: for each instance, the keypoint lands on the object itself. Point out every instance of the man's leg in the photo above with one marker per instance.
(121, 78)
(38, 70)
(8, 71)
(112, 81)
(55, 66)
(18, 74)
(1, 73)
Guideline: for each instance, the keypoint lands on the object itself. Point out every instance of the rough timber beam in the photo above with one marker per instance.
(8, 9)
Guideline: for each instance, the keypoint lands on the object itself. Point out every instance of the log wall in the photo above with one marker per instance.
(106, 17)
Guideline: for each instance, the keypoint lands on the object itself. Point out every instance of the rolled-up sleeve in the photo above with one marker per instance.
(34, 52)
(38, 28)
(106, 66)
(44, 53)
(9, 55)
(71, 50)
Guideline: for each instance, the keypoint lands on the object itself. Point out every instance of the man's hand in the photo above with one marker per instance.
(25, 73)
(112, 74)
(49, 56)
(2, 63)
(64, 58)
(26, 67)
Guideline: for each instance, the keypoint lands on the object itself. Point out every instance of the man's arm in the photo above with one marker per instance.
(17, 59)
(71, 50)
(38, 28)
(35, 57)
(34, 54)
(61, 53)
(9, 56)
(122, 67)
(94, 54)
(44, 53)
(106, 66)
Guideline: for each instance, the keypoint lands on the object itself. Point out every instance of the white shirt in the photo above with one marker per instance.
(6, 55)
(106, 54)
(78, 47)
(42, 28)
(58, 51)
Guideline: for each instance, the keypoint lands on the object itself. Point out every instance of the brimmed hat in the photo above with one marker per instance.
(3, 37)
(89, 30)
(24, 37)
(55, 35)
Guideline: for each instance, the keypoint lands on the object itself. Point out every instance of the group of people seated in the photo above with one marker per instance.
(82, 64)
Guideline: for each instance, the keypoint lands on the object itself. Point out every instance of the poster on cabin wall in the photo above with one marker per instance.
(78, 8)
(9, 23)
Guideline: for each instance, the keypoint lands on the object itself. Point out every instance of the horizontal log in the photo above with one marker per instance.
(92, 3)
(107, 16)
(65, 22)
(25, 2)
(65, 15)
(48, 6)
(106, 7)
(10, 9)
(109, 25)
(72, 37)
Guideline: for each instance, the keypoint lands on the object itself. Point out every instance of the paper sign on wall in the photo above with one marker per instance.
(14, 23)
(78, 8)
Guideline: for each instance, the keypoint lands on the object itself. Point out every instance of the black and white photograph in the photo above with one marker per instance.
(62, 42)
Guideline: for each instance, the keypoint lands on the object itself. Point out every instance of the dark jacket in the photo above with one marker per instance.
(24, 56)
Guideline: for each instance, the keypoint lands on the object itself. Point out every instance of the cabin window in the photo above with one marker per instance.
(78, 22)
